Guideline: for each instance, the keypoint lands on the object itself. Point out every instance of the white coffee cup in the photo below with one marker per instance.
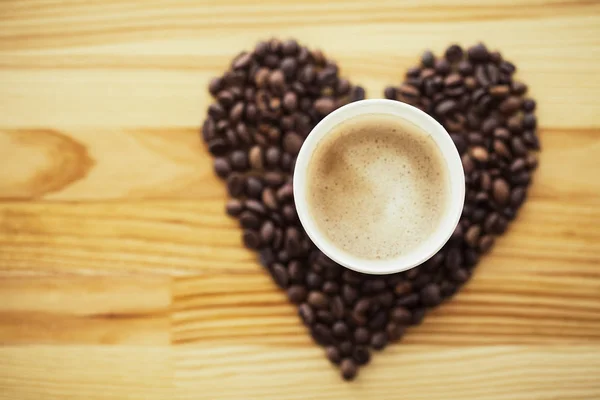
(454, 205)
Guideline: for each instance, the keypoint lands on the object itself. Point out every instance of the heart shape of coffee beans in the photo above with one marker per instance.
(267, 103)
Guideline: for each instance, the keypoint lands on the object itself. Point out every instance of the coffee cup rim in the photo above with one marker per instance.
(455, 172)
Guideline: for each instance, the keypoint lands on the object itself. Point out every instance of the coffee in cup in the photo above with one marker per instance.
(377, 186)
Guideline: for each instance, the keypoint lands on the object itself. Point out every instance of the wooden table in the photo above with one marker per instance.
(121, 277)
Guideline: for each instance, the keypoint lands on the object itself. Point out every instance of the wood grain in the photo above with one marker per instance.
(121, 277)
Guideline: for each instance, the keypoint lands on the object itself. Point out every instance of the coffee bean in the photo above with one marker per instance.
(528, 105)
(349, 294)
(296, 294)
(324, 105)
(218, 147)
(427, 59)
(318, 300)
(235, 185)
(292, 143)
(485, 243)
(325, 317)
(349, 369)
(222, 167)
(337, 307)
(306, 313)
(280, 275)
(254, 188)
(501, 191)
(430, 295)
(472, 235)
(362, 335)
(251, 239)
(408, 300)
(234, 207)
(478, 53)
(267, 232)
(454, 257)
(215, 85)
(362, 306)
(379, 340)
(340, 329)
(390, 93)
(322, 334)
(333, 354)
(314, 280)
(454, 53)
(331, 287)
(394, 331)
(256, 158)
(401, 315)
(479, 154)
(517, 197)
(361, 355)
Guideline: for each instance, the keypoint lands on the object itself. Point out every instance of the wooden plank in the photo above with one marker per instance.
(90, 164)
(85, 372)
(403, 372)
(186, 237)
(105, 164)
(71, 309)
(131, 65)
(507, 302)
(250, 372)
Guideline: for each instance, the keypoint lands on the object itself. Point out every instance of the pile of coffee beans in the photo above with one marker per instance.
(267, 103)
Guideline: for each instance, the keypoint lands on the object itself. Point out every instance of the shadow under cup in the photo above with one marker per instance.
(455, 173)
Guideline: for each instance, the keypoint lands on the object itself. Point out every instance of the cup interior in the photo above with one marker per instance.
(453, 207)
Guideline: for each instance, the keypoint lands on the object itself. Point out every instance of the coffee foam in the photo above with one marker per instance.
(378, 186)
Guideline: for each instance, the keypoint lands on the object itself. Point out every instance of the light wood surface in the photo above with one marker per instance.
(121, 277)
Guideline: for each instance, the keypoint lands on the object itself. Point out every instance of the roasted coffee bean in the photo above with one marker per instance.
(408, 300)
(222, 167)
(325, 317)
(251, 239)
(418, 315)
(454, 53)
(361, 355)
(292, 143)
(280, 275)
(296, 294)
(318, 300)
(307, 314)
(256, 158)
(322, 334)
(333, 354)
(331, 287)
(427, 59)
(349, 369)
(485, 243)
(362, 335)
(478, 53)
(340, 329)
(430, 295)
(249, 220)
(379, 340)
(401, 315)
(254, 188)
(235, 185)
(234, 207)
(337, 307)
(362, 306)
(394, 331)
(314, 280)
(501, 191)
